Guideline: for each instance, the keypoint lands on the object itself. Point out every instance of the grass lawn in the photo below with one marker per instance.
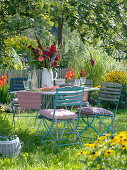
(38, 157)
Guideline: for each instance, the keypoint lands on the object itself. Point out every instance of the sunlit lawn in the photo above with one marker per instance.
(38, 157)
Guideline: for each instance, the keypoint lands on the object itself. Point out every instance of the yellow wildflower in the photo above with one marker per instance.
(103, 137)
(82, 153)
(114, 140)
(94, 155)
(91, 145)
(2, 108)
(108, 152)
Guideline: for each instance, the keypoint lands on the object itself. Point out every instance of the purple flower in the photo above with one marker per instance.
(92, 62)
(46, 53)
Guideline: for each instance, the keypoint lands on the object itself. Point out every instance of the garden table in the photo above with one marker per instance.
(49, 94)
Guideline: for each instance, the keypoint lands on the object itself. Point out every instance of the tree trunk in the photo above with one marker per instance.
(60, 29)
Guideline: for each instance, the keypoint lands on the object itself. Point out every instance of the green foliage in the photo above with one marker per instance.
(78, 55)
(4, 95)
(96, 21)
(18, 52)
(36, 156)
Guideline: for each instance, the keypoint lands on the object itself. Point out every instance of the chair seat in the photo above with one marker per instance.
(59, 114)
(95, 111)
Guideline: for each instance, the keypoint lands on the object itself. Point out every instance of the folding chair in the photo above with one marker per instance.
(60, 123)
(109, 93)
(16, 84)
(27, 100)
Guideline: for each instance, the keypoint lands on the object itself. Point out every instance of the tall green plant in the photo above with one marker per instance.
(4, 95)
(77, 55)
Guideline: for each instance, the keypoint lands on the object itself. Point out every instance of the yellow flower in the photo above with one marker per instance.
(82, 153)
(2, 108)
(104, 137)
(94, 155)
(108, 152)
(114, 140)
(91, 145)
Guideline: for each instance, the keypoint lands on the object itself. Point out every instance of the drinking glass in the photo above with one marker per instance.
(77, 82)
(82, 80)
(25, 83)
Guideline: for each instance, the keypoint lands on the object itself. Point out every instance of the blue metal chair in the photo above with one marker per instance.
(61, 123)
(16, 84)
(109, 93)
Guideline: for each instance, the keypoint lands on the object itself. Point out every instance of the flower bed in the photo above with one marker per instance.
(107, 152)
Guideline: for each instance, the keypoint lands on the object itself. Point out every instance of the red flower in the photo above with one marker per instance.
(52, 49)
(54, 64)
(92, 62)
(83, 73)
(48, 57)
(70, 74)
(3, 80)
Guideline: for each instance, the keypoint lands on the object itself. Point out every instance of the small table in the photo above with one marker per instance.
(48, 96)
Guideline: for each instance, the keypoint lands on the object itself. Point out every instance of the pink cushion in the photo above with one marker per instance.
(95, 110)
(85, 96)
(59, 114)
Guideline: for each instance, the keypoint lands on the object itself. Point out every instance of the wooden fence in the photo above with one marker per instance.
(24, 73)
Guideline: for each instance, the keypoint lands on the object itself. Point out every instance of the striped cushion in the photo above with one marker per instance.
(95, 111)
(59, 114)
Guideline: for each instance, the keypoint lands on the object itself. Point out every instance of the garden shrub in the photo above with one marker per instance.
(17, 51)
(107, 152)
(119, 77)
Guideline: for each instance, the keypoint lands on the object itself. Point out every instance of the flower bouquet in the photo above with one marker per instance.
(47, 57)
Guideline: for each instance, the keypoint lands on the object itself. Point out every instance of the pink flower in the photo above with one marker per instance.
(47, 48)
(40, 52)
(40, 58)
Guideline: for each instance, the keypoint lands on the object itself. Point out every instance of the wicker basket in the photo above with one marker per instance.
(10, 148)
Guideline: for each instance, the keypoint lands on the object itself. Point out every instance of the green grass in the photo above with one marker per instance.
(38, 157)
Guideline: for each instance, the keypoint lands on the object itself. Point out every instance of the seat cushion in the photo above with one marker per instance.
(59, 114)
(95, 111)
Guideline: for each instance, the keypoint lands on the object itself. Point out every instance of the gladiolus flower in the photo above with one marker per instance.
(83, 73)
(40, 52)
(70, 74)
(54, 64)
(41, 58)
(92, 62)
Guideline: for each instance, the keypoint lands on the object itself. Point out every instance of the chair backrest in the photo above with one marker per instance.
(89, 83)
(29, 99)
(17, 84)
(110, 92)
(69, 96)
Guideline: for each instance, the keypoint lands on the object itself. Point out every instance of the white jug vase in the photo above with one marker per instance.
(47, 77)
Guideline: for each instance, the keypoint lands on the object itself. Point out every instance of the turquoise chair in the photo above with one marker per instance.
(109, 95)
(60, 123)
